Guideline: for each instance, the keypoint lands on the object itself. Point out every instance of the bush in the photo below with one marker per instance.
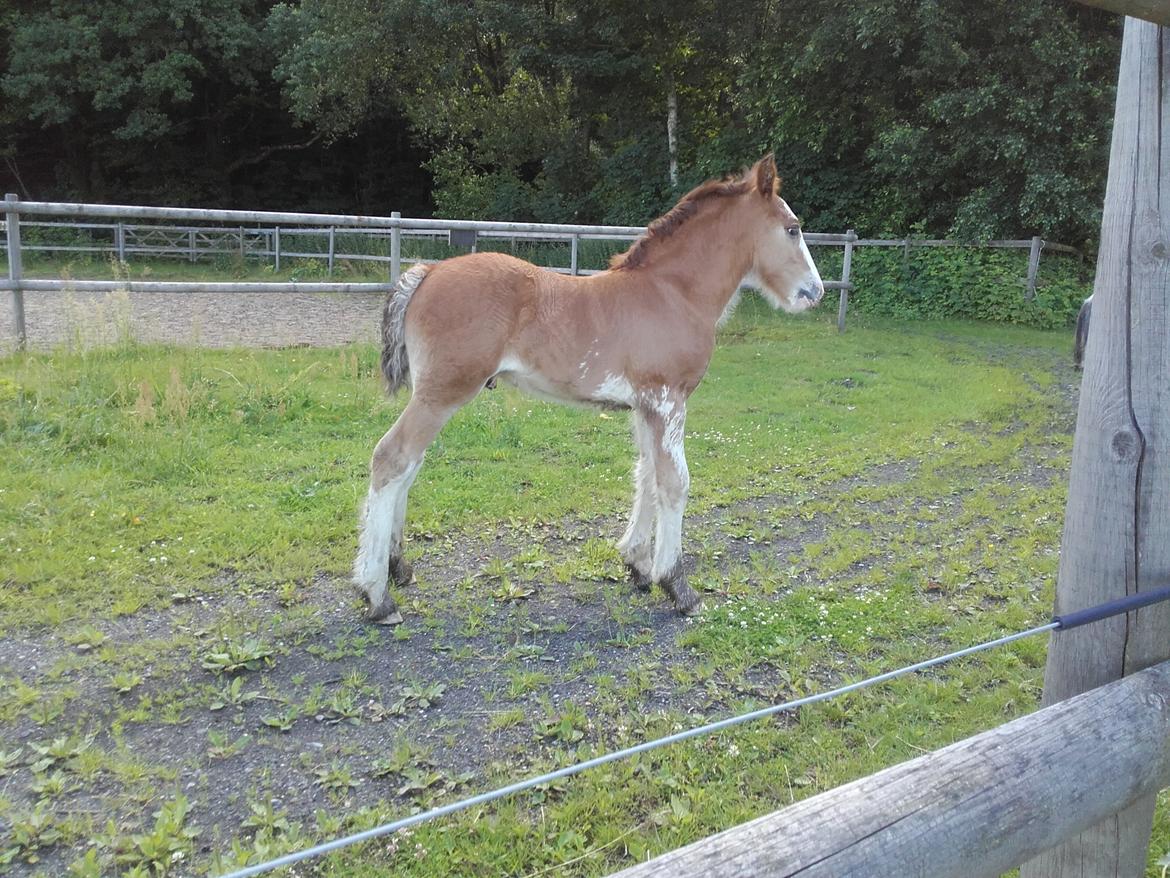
(969, 282)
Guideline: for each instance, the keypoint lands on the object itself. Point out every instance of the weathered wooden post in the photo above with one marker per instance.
(15, 265)
(573, 254)
(331, 246)
(276, 249)
(1117, 521)
(846, 268)
(1033, 267)
(120, 241)
(395, 249)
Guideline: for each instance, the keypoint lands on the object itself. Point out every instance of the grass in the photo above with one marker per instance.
(177, 524)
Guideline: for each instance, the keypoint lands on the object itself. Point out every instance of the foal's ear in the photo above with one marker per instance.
(767, 182)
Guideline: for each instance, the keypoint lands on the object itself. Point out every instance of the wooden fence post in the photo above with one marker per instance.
(276, 248)
(1033, 267)
(1117, 522)
(15, 266)
(846, 269)
(191, 246)
(120, 241)
(573, 255)
(973, 809)
(331, 246)
(395, 250)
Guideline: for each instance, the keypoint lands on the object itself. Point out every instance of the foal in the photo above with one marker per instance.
(636, 337)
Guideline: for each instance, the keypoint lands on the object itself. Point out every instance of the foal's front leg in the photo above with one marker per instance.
(673, 481)
(635, 545)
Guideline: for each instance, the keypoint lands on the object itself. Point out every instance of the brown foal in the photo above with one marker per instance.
(636, 337)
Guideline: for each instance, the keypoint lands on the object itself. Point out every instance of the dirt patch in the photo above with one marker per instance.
(82, 320)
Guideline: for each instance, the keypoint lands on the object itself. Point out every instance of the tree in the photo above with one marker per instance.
(112, 85)
(973, 119)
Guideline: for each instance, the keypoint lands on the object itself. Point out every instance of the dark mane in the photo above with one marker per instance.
(666, 224)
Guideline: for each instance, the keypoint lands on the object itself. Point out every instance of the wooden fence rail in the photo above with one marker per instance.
(188, 241)
(976, 808)
(271, 236)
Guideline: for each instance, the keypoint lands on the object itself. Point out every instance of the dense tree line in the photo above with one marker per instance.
(945, 116)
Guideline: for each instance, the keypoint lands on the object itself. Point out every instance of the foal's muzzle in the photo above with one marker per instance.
(812, 294)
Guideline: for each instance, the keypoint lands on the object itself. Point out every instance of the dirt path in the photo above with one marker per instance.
(207, 319)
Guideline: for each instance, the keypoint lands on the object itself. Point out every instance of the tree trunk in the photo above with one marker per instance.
(672, 132)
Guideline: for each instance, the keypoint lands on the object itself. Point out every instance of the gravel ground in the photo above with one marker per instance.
(206, 319)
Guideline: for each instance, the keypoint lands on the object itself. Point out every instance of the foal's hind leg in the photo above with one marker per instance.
(397, 459)
(635, 545)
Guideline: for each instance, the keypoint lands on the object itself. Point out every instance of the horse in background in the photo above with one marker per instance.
(636, 337)
(1082, 334)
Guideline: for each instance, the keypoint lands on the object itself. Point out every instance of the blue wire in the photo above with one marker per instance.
(577, 768)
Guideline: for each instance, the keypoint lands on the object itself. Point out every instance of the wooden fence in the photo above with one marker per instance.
(259, 234)
(194, 235)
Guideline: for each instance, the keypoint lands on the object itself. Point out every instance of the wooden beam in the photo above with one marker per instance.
(1157, 11)
(1117, 520)
(976, 808)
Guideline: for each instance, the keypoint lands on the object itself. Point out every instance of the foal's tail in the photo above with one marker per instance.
(395, 364)
(1082, 335)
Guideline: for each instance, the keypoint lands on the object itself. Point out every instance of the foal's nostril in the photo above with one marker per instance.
(812, 295)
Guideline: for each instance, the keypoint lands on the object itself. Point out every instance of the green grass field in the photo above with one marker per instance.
(186, 685)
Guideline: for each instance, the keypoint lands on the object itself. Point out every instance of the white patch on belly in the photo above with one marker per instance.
(517, 373)
(614, 389)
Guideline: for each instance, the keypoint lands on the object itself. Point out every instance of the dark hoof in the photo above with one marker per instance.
(386, 613)
(401, 572)
(686, 600)
(638, 579)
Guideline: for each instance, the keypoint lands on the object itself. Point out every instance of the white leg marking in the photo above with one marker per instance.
(635, 545)
(373, 558)
(674, 481)
(383, 520)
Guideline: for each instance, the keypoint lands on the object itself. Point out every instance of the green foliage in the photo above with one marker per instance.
(166, 845)
(967, 282)
(975, 120)
(979, 120)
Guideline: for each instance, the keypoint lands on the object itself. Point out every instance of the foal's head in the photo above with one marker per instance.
(782, 268)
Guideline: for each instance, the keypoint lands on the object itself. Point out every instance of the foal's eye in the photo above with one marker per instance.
(794, 232)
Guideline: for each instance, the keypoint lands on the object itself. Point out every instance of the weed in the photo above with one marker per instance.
(29, 834)
(219, 745)
(59, 751)
(419, 696)
(263, 817)
(123, 682)
(282, 721)
(166, 845)
(233, 657)
(9, 760)
(86, 639)
(567, 726)
(336, 779)
(233, 694)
